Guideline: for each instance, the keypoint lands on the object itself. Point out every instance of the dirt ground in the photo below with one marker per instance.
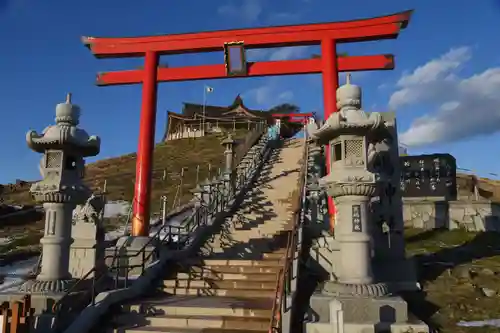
(459, 273)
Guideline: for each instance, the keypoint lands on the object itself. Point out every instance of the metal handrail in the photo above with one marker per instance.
(94, 269)
(188, 225)
(129, 214)
(284, 276)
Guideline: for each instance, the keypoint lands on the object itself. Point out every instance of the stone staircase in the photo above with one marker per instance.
(231, 285)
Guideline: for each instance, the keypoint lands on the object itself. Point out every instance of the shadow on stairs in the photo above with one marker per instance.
(230, 286)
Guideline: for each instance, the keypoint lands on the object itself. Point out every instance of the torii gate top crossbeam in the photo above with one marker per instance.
(293, 35)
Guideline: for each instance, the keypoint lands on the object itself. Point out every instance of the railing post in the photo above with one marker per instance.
(216, 183)
(198, 200)
(228, 184)
(207, 194)
(164, 209)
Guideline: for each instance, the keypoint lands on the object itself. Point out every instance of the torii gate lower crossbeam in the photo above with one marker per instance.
(328, 35)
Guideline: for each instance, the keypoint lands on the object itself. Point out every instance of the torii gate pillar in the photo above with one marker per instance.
(143, 172)
(330, 85)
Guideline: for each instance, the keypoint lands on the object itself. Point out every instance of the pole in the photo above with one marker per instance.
(164, 209)
(142, 203)
(330, 85)
(204, 108)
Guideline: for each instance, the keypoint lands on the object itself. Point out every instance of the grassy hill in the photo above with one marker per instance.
(169, 159)
(487, 188)
(119, 173)
(459, 272)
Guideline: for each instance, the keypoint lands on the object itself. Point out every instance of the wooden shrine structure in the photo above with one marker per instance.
(198, 120)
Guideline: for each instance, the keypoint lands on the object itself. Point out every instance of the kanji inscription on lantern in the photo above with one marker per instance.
(356, 219)
(51, 225)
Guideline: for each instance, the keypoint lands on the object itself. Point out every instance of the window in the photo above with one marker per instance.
(354, 148)
(337, 151)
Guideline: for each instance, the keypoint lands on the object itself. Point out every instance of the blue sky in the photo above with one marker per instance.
(451, 104)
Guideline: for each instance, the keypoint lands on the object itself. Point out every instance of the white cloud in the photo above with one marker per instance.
(284, 53)
(269, 94)
(463, 107)
(285, 96)
(248, 10)
(279, 53)
(257, 54)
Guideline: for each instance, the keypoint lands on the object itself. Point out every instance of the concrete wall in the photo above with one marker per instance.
(471, 215)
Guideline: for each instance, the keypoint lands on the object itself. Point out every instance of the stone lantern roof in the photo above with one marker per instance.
(349, 95)
(64, 135)
(350, 119)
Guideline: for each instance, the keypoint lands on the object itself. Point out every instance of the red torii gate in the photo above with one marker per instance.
(292, 116)
(329, 64)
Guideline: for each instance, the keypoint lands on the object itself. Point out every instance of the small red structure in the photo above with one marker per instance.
(328, 35)
(295, 117)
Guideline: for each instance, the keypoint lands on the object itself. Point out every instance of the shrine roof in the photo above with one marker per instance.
(237, 108)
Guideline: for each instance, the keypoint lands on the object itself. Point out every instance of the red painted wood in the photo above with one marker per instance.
(292, 115)
(144, 166)
(401, 19)
(264, 68)
(263, 40)
(330, 85)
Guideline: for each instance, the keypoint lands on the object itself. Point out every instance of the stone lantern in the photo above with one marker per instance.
(356, 298)
(352, 184)
(229, 175)
(64, 147)
(228, 144)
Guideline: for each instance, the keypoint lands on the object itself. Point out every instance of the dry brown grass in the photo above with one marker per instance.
(453, 268)
(119, 173)
(487, 188)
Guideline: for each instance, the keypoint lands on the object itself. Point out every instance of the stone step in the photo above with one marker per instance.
(204, 321)
(242, 262)
(263, 228)
(275, 255)
(234, 252)
(265, 252)
(245, 238)
(206, 305)
(241, 237)
(151, 329)
(220, 292)
(220, 284)
(253, 275)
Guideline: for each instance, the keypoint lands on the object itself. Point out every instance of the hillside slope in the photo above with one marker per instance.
(488, 188)
(119, 172)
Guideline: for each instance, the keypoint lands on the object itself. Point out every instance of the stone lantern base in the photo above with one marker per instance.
(355, 289)
(49, 286)
(356, 314)
(133, 254)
